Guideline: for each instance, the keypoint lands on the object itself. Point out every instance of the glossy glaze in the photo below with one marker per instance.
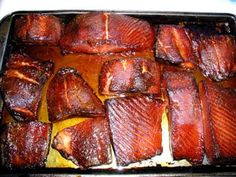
(99, 32)
(135, 75)
(38, 29)
(135, 124)
(184, 115)
(22, 83)
(68, 95)
(25, 145)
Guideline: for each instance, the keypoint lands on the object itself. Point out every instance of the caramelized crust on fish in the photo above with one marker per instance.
(217, 55)
(86, 144)
(218, 105)
(174, 44)
(69, 95)
(185, 116)
(135, 124)
(25, 145)
(21, 85)
(38, 29)
(130, 75)
(99, 32)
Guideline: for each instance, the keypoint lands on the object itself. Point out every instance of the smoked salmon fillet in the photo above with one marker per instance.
(38, 29)
(130, 75)
(100, 32)
(25, 144)
(22, 83)
(86, 144)
(213, 53)
(217, 56)
(174, 45)
(185, 117)
(218, 105)
(135, 124)
(69, 95)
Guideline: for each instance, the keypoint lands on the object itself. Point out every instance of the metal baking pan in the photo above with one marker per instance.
(226, 21)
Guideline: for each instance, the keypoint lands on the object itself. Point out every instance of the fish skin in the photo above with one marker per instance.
(69, 95)
(86, 144)
(135, 124)
(185, 116)
(219, 125)
(100, 32)
(25, 144)
(128, 76)
(22, 83)
(38, 29)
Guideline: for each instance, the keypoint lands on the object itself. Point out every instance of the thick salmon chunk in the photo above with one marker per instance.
(100, 32)
(185, 116)
(86, 144)
(135, 124)
(22, 83)
(129, 76)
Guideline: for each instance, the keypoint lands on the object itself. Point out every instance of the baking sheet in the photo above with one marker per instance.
(91, 75)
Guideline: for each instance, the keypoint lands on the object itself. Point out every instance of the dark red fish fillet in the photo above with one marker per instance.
(99, 32)
(174, 44)
(218, 105)
(130, 75)
(69, 95)
(25, 145)
(22, 83)
(217, 55)
(86, 144)
(185, 116)
(38, 29)
(135, 124)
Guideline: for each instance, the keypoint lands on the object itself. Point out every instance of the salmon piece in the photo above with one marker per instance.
(87, 144)
(69, 95)
(185, 117)
(22, 83)
(217, 55)
(218, 105)
(174, 45)
(25, 144)
(135, 124)
(100, 32)
(213, 53)
(38, 29)
(130, 75)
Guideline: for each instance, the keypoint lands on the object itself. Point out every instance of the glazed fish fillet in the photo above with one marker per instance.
(213, 53)
(25, 144)
(185, 117)
(69, 95)
(99, 32)
(135, 124)
(22, 83)
(174, 45)
(130, 75)
(219, 122)
(38, 29)
(87, 144)
(217, 55)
